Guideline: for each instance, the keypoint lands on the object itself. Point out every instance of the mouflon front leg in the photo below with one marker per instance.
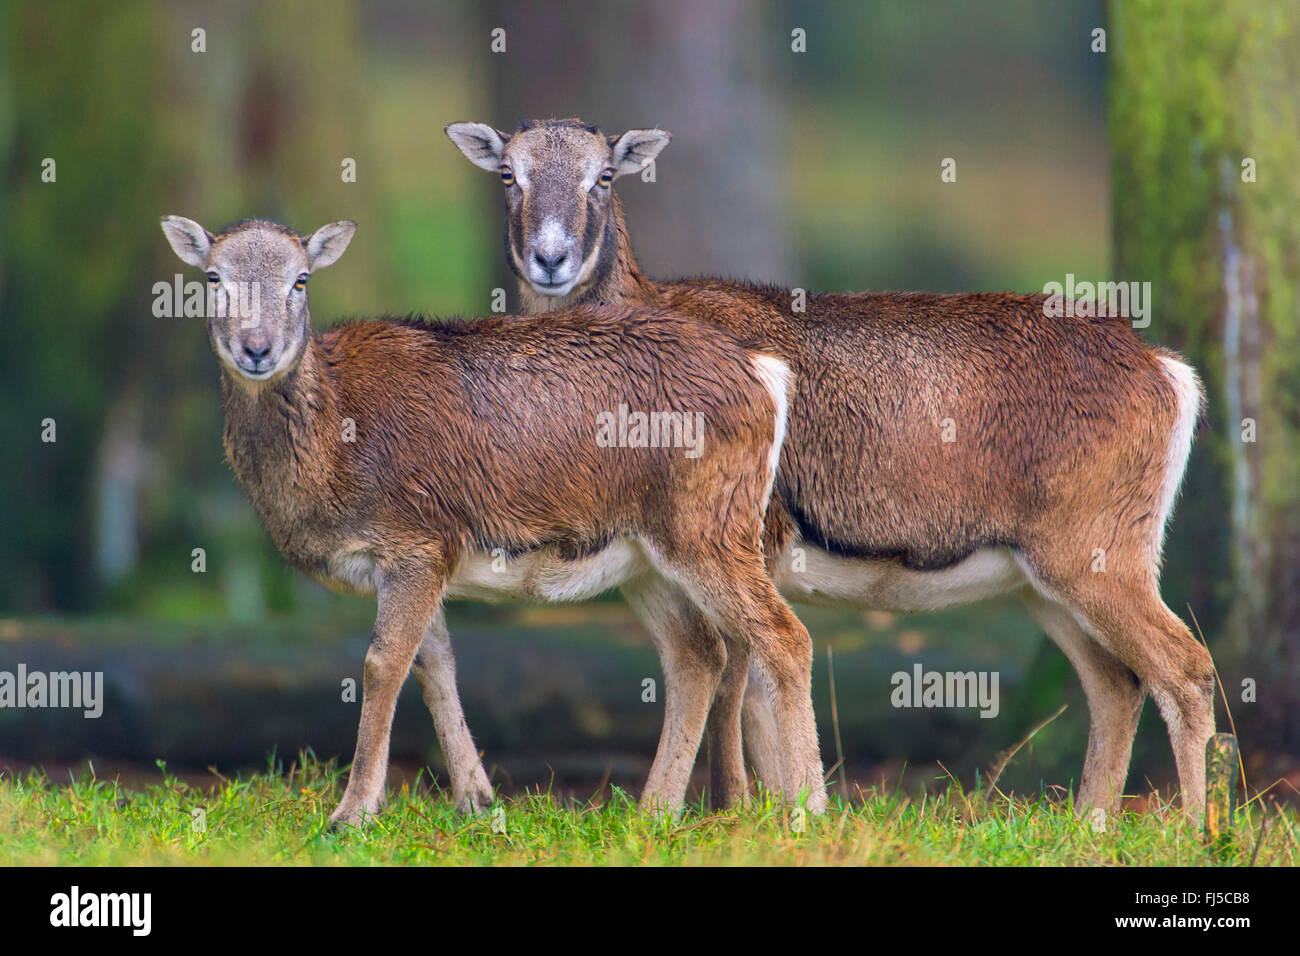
(408, 600)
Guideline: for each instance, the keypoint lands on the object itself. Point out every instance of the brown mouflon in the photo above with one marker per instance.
(940, 449)
(418, 460)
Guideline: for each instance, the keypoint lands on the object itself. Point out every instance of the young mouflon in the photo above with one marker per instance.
(941, 449)
(403, 458)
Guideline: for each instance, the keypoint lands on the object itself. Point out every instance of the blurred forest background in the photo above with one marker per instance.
(818, 168)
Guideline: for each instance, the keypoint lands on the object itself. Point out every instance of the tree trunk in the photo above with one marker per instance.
(1205, 108)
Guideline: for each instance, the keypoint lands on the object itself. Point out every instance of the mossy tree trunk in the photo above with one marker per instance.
(1205, 132)
(80, 94)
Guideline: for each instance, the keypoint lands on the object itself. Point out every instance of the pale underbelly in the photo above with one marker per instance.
(546, 577)
(541, 576)
(804, 574)
(809, 575)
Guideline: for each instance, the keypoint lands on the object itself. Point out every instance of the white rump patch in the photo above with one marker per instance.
(778, 379)
(1191, 398)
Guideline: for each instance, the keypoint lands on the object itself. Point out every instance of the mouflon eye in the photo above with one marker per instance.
(301, 282)
(606, 178)
(507, 176)
(213, 278)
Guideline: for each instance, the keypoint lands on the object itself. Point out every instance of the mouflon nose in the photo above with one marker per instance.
(257, 354)
(550, 263)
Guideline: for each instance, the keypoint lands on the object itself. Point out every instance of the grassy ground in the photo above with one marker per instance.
(279, 817)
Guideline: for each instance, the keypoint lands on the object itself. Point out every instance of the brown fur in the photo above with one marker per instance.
(1063, 431)
(475, 436)
(459, 425)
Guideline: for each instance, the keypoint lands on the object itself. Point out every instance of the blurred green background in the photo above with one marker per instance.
(818, 169)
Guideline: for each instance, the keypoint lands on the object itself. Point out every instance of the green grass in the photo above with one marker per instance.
(279, 818)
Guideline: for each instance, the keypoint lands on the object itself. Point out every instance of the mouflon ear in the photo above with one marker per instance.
(637, 148)
(482, 145)
(326, 244)
(188, 240)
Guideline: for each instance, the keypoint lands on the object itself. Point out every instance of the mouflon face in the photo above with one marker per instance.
(557, 176)
(257, 274)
